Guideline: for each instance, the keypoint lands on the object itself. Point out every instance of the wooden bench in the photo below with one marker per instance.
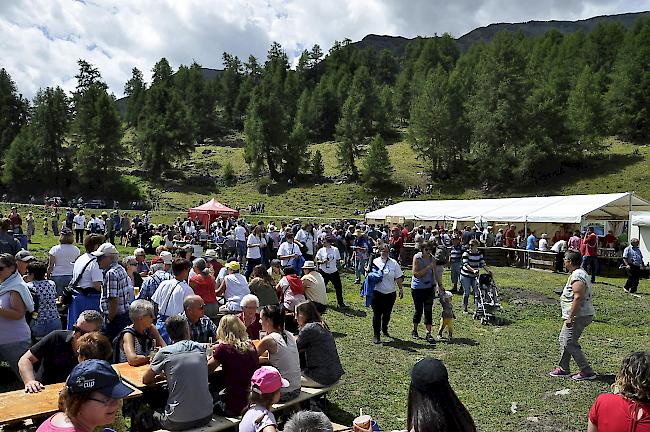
(219, 423)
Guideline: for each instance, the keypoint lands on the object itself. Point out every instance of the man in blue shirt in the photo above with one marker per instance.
(633, 259)
(530, 241)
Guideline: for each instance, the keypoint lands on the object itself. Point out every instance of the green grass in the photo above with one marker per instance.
(490, 367)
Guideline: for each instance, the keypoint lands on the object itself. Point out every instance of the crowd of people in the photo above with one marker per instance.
(186, 315)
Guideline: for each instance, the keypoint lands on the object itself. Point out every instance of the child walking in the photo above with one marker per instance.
(447, 318)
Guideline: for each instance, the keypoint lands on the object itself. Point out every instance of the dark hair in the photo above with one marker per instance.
(37, 269)
(92, 242)
(259, 271)
(573, 257)
(262, 399)
(5, 224)
(8, 260)
(288, 270)
(177, 328)
(179, 265)
(308, 310)
(633, 380)
(438, 410)
(276, 314)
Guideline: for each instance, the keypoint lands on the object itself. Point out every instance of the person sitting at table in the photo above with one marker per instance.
(184, 363)
(233, 288)
(275, 271)
(224, 271)
(90, 399)
(202, 329)
(308, 421)
(263, 286)
(204, 285)
(322, 364)
(249, 316)
(290, 289)
(283, 352)
(57, 353)
(238, 359)
(94, 345)
(266, 389)
(137, 340)
(314, 284)
(159, 273)
(44, 290)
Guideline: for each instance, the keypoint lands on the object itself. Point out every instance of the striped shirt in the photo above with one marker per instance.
(474, 260)
(456, 253)
(150, 285)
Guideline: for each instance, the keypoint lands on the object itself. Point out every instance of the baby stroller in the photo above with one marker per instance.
(487, 300)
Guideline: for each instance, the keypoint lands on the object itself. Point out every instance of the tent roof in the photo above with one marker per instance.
(213, 206)
(552, 209)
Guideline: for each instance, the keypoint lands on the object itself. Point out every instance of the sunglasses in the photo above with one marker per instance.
(79, 330)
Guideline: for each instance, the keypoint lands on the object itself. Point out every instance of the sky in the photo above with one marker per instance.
(41, 40)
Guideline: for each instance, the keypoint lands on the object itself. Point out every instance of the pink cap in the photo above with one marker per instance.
(267, 379)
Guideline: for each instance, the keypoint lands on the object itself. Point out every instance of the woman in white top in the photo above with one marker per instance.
(384, 294)
(282, 348)
(233, 288)
(543, 243)
(254, 245)
(61, 260)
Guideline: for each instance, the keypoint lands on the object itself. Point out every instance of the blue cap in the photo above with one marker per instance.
(97, 375)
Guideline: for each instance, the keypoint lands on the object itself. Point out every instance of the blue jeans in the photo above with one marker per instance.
(360, 267)
(468, 283)
(455, 271)
(61, 282)
(590, 265)
(241, 250)
(42, 329)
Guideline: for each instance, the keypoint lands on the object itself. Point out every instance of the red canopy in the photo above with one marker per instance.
(211, 211)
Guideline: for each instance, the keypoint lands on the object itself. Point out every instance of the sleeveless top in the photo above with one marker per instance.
(426, 280)
(286, 360)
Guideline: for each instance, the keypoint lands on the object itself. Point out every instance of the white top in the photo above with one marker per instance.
(240, 233)
(392, 271)
(286, 360)
(559, 246)
(236, 289)
(287, 248)
(64, 258)
(92, 273)
(306, 238)
(543, 245)
(254, 252)
(332, 255)
(176, 291)
(101, 222)
(79, 222)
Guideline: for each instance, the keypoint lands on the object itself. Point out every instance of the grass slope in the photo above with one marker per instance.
(490, 367)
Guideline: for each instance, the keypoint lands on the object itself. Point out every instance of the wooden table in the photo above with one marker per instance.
(132, 374)
(19, 405)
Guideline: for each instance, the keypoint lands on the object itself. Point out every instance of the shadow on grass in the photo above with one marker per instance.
(348, 311)
(338, 335)
(606, 378)
(460, 341)
(405, 345)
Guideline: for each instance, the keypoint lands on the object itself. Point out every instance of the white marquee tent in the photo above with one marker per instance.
(569, 209)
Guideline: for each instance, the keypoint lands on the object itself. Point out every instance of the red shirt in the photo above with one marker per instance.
(205, 287)
(254, 328)
(510, 238)
(591, 245)
(405, 233)
(397, 243)
(614, 413)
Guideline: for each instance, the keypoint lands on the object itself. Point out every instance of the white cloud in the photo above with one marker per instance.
(41, 40)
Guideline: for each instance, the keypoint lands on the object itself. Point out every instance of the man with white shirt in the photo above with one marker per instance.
(170, 295)
(306, 238)
(79, 224)
(559, 247)
(328, 258)
(288, 251)
(240, 239)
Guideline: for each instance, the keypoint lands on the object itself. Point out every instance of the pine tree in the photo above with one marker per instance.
(584, 112)
(296, 157)
(229, 176)
(350, 133)
(14, 111)
(377, 169)
(135, 89)
(317, 165)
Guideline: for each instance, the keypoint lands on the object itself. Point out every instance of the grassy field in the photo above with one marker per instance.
(490, 367)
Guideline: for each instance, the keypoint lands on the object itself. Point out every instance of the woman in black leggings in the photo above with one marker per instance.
(422, 291)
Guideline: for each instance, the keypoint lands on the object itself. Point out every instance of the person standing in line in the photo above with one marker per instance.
(560, 248)
(328, 259)
(240, 238)
(385, 293)
(577, 312)
(633, 260)
(254, 246)
(472, 263)
(590, 253)
(456, 262)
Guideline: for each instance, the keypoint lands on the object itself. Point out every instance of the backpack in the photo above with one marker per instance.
(441, 254)
(146, 341)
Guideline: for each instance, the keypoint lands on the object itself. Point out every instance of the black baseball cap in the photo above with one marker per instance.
(97, 375)
(428, 374)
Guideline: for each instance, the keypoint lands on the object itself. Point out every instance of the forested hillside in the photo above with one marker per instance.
(518, 110)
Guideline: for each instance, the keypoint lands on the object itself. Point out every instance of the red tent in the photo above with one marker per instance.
(211, 211)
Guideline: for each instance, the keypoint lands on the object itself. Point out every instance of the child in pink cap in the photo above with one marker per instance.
(265, 391)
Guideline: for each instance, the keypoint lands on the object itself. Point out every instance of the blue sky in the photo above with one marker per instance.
(41, 40)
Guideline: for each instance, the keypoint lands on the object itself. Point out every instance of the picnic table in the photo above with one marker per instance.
(20, 405)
